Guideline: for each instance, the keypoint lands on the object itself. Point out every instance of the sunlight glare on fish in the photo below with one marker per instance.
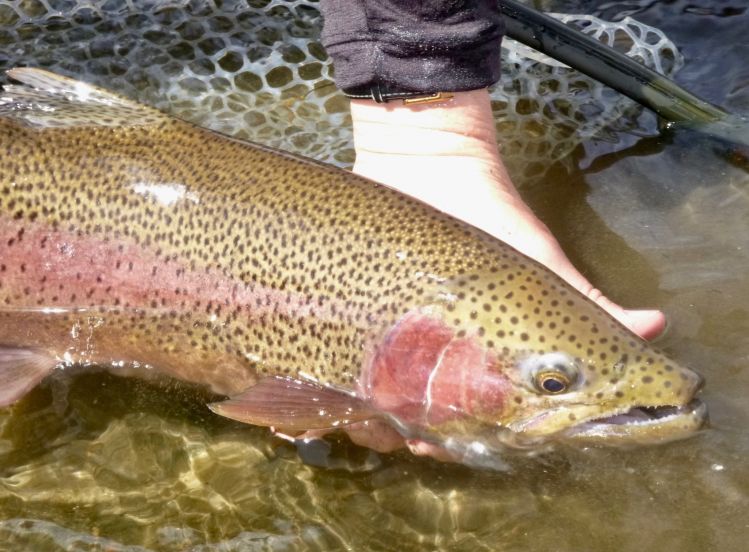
(253, 357)
(447, 296)
(53, 310)
(166, 194)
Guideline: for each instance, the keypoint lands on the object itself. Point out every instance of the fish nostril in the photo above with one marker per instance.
(698, 384)
(687, 384)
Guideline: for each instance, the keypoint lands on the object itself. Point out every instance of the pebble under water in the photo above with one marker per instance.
(93, 462)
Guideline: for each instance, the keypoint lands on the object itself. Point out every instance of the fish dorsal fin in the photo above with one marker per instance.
(47, 100)
(293, 405)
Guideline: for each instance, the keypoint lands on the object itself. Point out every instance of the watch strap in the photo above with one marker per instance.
(383, 93)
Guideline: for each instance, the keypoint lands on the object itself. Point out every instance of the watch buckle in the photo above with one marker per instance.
(429, 98)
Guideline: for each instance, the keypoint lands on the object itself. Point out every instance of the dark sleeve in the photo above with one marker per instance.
(421, 45)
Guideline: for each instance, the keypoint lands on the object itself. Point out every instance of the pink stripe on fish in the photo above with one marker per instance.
(43, 267)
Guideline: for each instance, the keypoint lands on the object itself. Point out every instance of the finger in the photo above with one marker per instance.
(423, 448)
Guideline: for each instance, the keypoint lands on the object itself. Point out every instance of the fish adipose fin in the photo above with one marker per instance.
(48, 100)
(20, 371)
(293, 405)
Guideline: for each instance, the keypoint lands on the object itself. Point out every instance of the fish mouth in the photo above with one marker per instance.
(643, 425)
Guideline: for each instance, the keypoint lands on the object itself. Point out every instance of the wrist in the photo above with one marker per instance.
(462, 125)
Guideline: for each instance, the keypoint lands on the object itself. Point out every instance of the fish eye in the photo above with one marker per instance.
(550, 373)
(552, 382)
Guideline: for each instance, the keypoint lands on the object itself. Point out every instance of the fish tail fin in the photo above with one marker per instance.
(20, 371)
(293, 405)
(48, 100)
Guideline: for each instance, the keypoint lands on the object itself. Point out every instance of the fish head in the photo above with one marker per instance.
(528, 365)
(635, 396)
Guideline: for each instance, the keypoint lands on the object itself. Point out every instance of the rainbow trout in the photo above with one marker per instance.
(308, 296)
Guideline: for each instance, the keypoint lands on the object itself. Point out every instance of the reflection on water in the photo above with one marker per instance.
(102, 463)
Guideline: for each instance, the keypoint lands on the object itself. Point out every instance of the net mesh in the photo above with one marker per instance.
(255, 69)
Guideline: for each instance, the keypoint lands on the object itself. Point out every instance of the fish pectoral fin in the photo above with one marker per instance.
(20, 371)
(45, 99)
(294, 405)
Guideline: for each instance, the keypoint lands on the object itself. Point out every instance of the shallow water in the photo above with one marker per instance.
(96, 462)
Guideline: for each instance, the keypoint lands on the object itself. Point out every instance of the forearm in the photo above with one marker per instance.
(463, 123)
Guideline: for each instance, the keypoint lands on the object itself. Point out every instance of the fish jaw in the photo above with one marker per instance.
(642, 426)
(638, 425)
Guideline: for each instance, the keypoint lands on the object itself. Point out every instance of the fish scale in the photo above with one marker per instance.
(146, 241)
